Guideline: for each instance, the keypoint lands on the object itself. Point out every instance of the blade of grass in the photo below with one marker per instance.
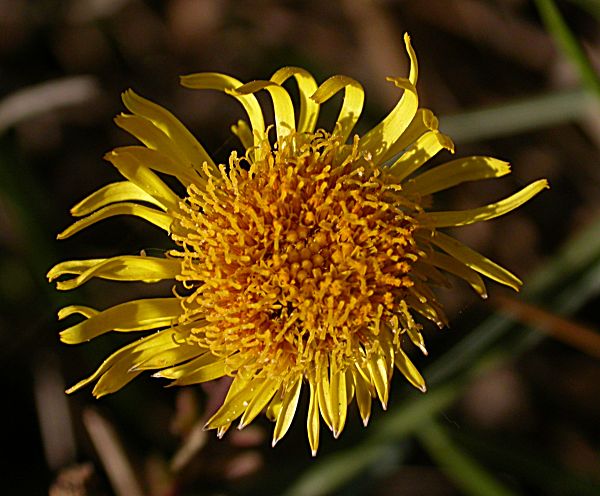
(467, 474)
(515, 117)
(563, 36)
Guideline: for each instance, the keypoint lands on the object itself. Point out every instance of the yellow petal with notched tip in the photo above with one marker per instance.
(287, 411)
(120, 268)
(450, 264)
(354, 96)
(475, 260)
(456, 172)
(122, 191)
(282, 104)
(309, 109)
(153, 216)
(222, 82)
(135, 171)
(136, 315)
(193, 151)
(470, 216)
(409, 371)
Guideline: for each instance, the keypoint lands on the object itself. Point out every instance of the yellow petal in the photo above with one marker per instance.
(409, 371)
(339, 401)
(131, 355)
(131, 168)
(475, 260)
(413, 74)
(423, 121)
(427, 307)
(87, 312)
(235, 406)
(363, 397)
(383, 136)
(456, 172)
(380, 378)
(153, 137)
(426, 147)
(352, 106)
(120, 268)
(206, 373)
(168, 356)
(237, 385)
(112, 193)
(262, 396)
(171, 126)
(160, 162)
(137, 315)
(464, 217)
(282, 104)
(312, 420)
(416, 338)
(244, 133)
(187, 368)
(324, 394)
(152, 215)
(459, 269)
(114, 379)
(309, 109)
(222, 82)
(287, 411)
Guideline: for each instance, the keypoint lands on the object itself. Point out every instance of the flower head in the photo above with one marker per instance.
(303, 262)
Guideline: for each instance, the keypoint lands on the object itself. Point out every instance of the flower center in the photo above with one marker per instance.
(294, 258)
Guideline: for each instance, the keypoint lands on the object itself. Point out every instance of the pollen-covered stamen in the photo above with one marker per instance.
(303, 256)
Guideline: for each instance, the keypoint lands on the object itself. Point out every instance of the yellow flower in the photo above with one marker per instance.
(302, 262)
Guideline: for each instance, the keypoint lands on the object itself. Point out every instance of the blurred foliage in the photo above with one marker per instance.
(513, 399)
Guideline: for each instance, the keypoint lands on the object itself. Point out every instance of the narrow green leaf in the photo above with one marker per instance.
(467, 474)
